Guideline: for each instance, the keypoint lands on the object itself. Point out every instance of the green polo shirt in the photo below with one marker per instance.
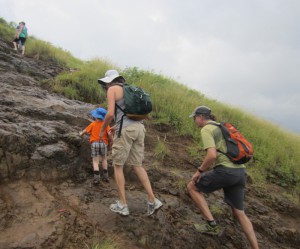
(212, 138)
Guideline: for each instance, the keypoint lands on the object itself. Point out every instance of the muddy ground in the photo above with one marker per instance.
(66, 214)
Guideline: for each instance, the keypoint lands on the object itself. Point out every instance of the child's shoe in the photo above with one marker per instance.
(96, 180)
(105, 177)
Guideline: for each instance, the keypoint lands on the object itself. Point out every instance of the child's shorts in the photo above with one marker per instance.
(98, 149)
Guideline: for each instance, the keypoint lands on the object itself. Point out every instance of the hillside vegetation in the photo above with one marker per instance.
(277, 152)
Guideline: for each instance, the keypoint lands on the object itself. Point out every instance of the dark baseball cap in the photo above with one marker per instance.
(204, 110)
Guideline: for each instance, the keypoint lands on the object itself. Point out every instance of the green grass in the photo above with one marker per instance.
(106, 243)
(82, 84)
(181, 185)
(216, 209)
(42, 50)
(161, 149)
(276, 151)
(7, 30)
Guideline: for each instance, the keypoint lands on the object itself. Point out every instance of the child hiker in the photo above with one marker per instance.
(98, 147)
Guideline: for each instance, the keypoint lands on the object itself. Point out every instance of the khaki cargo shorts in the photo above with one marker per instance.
(129, 147)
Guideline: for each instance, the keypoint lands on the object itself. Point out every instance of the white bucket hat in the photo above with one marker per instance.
(110, 75)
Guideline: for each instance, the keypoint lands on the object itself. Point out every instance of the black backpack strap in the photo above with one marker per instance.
(220, 126)
(119, 107)
(121, 123)
(214, 123)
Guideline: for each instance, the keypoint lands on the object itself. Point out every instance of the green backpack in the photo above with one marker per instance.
(137, 102)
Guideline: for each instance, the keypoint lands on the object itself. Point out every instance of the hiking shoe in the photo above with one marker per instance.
(119, 208)
(96, 180)
(151, 207)
(207, 229)
(105, 177)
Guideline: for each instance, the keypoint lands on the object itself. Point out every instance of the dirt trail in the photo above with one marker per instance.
(36, 214)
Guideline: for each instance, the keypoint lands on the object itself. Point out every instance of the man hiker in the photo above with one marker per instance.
(129, 146)
(224, 175)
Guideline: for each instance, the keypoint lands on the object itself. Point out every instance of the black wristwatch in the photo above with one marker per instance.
(200, 170)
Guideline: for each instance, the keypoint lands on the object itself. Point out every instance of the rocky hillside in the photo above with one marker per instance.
(46, 196)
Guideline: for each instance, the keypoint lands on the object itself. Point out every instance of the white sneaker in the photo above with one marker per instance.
(119, 208)
(151, 207)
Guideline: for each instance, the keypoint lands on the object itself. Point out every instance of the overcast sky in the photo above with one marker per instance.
(245, 53)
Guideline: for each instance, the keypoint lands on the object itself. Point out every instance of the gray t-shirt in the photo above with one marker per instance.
(126, 121)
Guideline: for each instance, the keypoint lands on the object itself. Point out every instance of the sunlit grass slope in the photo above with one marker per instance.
(277, 152)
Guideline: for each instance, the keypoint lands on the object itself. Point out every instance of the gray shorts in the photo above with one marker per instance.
(98, 149)
(231, 180)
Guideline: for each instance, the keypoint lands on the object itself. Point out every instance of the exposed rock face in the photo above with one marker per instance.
(38, 130)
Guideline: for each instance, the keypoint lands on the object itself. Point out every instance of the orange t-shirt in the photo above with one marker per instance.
(94, 130)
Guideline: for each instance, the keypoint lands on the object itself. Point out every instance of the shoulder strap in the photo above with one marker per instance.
(222, 131)
(214, 123)
(121, 123)
(119, 107)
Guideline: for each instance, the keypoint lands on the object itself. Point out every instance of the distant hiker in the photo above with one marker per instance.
(129, 146)
(98, 146)
(20, 37)
(16, 41)
(224, 174)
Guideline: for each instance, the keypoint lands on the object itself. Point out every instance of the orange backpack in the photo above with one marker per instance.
(239, 150)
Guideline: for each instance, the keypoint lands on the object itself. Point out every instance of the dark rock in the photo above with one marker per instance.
(38, 129)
